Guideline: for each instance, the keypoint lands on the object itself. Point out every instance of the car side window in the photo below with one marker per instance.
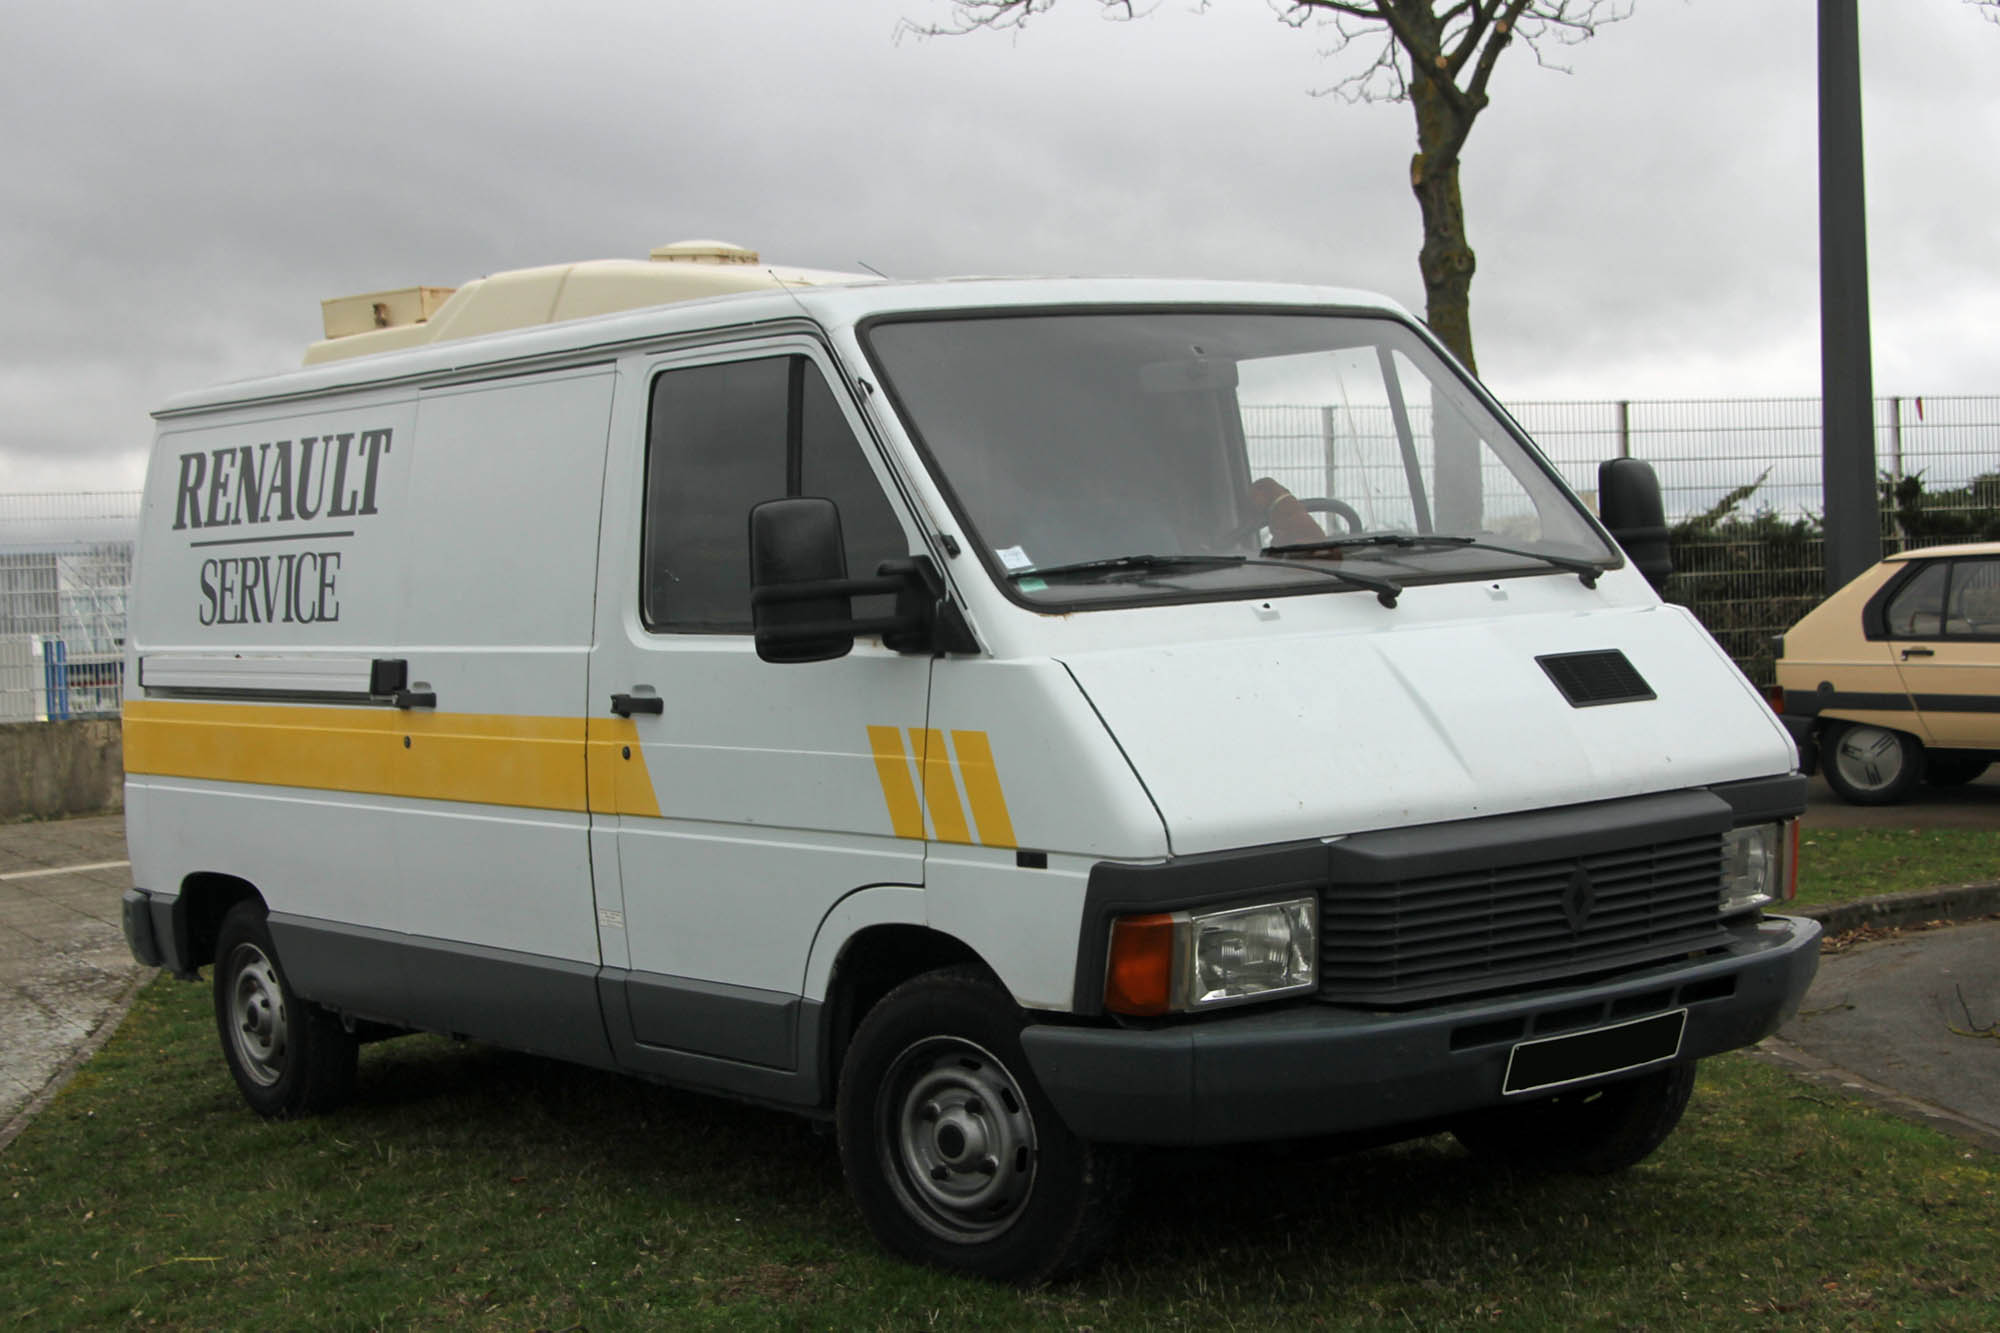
(722, 438)
(1973, 604)
(1917, 609)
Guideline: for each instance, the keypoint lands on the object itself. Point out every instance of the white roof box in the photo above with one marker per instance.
(520, 298)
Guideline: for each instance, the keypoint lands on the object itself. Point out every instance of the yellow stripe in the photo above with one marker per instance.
(488, 759)
(899, 793)
(940, 787)
(982, 788)
(619, 781)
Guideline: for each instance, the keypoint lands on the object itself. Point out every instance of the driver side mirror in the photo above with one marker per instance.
(1628, 500)
(800, 609)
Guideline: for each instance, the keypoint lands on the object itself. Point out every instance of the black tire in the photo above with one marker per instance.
(1870, 765)
(953, 1153)
(289, 1057)
(1594, 1131)
(1953, 768)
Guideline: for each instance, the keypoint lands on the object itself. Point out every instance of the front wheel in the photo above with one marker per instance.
(1595, 1131)
(953, 1153)
(1871, 765)
(289, 1056)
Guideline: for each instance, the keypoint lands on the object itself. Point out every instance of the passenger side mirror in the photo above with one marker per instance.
(1628, 500)
(800, 608)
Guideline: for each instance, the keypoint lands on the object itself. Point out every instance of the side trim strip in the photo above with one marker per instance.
(489, 759)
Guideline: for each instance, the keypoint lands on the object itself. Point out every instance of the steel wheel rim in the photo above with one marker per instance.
(958, 1138)
(257, 1025)
(1870, 758)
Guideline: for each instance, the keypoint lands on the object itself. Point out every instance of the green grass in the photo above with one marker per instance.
(1839, 865)
(470, 1188)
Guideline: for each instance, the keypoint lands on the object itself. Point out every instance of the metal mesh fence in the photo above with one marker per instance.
(1740, 477)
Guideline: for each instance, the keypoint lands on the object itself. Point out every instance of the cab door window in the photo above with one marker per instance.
(722, 438)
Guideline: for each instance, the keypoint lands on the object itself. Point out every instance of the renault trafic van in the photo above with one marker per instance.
(1014, 721)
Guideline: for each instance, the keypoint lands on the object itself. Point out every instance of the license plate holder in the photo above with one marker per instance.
(1554, 1062)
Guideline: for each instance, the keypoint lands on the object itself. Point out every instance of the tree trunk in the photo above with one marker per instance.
(1446, 260)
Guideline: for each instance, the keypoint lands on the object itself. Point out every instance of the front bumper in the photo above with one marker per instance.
(1312, 1069)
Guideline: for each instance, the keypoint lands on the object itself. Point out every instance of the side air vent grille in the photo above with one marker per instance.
(1590, 679)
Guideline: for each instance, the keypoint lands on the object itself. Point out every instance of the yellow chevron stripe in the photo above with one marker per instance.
(982, 788)
(899, 793)
(940, 787)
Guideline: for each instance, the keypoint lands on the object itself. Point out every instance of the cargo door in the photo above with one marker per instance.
(738, 800)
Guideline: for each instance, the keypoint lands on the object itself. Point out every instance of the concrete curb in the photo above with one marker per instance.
(1959, 902)
(78, 1058)
(1805, 1065)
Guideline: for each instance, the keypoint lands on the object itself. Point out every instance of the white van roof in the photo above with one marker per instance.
(830, 306)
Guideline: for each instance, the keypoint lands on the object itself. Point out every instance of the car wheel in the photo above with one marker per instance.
(953, 1153)
(1595, 1131)
(1949, 768)
(1871, 765)
(289, 1056)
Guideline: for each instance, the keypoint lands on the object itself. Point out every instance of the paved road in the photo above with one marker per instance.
(65, 972)
(1975, 805)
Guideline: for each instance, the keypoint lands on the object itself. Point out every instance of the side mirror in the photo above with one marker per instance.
(1628, 500)
(799, 609)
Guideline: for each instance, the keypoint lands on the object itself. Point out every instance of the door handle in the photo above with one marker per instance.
(1908, 653)
(627, 704)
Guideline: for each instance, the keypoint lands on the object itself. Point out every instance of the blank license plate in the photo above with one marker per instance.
(1550, 1062)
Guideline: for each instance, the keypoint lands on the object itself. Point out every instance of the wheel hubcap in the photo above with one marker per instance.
(959, 1138)
(1869, 757)
(257, 1015)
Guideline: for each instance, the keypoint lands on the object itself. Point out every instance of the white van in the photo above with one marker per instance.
(1015, 720)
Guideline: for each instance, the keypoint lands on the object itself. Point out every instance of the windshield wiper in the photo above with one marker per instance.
(1386, 590)
(1587, 571)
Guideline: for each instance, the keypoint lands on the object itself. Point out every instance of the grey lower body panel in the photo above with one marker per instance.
(1312, 1069)
(547, 1006)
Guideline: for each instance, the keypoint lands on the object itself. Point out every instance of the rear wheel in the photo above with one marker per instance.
(1595, 1131)
(953, 1153)
(289, 1056)
(1871, 765)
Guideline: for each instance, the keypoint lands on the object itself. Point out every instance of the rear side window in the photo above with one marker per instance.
(723, 438)
(1917, 609)
(1973, 603)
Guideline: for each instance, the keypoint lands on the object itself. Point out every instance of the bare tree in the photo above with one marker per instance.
(1437, 55)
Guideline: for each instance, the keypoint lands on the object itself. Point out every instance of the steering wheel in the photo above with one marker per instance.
(1340, 509)
(1288, 517)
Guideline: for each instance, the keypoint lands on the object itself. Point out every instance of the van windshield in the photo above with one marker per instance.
(1105, 458)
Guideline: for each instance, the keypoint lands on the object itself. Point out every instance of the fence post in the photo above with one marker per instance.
(1896, 468)
(1624, 428)
(1327, 455)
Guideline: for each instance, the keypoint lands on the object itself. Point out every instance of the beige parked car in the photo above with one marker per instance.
(1895, 679)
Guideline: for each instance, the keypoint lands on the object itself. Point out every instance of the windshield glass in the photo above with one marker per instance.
(1158, 455)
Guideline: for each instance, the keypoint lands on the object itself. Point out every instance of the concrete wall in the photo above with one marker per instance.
(61, 768)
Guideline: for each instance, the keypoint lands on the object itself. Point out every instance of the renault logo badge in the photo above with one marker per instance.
(1578, 899)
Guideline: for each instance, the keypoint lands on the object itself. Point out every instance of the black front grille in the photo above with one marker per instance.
(1414, 941)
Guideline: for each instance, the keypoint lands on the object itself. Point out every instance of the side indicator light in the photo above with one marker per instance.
(1138, 975)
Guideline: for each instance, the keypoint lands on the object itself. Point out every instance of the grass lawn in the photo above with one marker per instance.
(470, 1188)
(1836, 865)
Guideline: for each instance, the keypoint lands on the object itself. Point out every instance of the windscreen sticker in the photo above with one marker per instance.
(1014, 558)
(1031, 585)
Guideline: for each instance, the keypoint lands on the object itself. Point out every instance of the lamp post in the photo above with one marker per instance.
(1847, 389)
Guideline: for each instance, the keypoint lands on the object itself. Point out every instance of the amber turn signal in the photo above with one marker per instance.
(1139, 975)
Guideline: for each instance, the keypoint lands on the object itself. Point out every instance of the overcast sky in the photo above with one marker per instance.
(184, 183)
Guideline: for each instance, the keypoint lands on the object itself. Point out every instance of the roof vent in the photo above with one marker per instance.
(703, 252)
(1589, 679)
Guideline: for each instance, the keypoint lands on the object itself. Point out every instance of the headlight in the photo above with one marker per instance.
(1172, 961)
(1755, 866)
